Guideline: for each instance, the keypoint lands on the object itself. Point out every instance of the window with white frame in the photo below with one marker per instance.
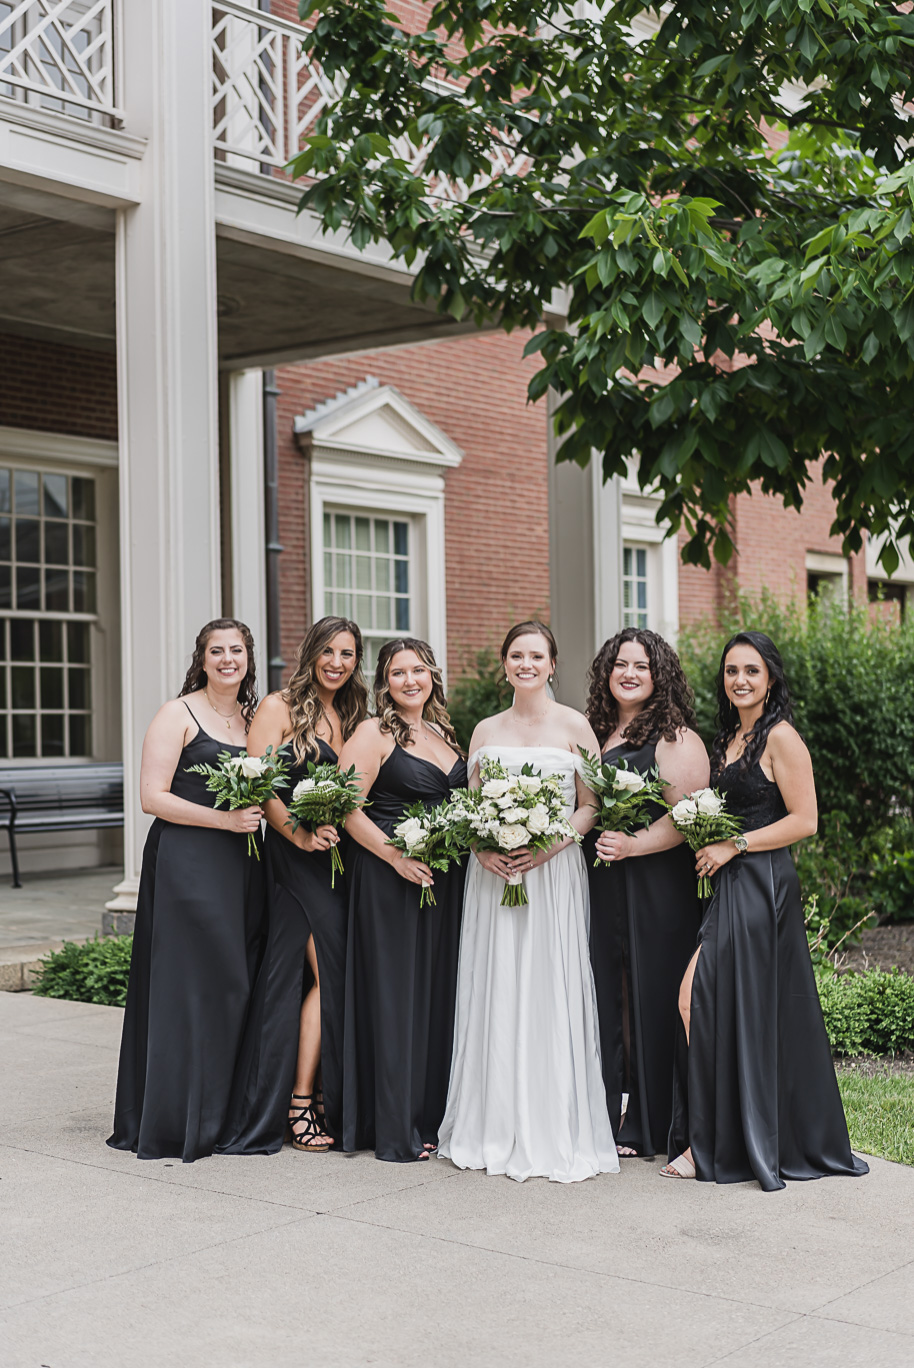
(635, 569)
(47, 608)
(367, 574)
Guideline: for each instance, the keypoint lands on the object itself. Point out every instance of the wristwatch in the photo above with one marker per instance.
(742, 845)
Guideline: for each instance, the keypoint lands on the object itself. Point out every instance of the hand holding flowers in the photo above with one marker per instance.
(703, 820)
(625, 798)
(324, 798)
(245, 781)
(433, 838)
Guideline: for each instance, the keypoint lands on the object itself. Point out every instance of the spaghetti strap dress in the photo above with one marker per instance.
(301, 902)
(755, 1090)
(644, 920)
(196, 947)
(401, 977)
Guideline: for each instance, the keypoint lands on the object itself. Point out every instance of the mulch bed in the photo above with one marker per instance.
(881, 947)
(871, 1065)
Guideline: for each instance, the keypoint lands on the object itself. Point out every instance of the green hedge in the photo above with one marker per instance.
(869, 1013)
(94, 972)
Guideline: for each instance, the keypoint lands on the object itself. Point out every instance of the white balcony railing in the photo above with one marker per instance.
(58, 55)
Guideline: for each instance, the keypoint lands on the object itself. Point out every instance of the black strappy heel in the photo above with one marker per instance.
(312, 1140)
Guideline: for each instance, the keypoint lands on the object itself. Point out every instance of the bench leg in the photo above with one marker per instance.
(14, 859)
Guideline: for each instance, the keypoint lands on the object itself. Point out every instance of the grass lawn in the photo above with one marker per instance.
(880, 1112)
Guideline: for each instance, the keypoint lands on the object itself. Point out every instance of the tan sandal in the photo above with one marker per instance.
(678, 1168)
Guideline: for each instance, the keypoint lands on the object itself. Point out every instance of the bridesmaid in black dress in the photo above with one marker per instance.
(199, 916)
(645, 911)
(401, 971)
(296, 1023)
(756, 1094)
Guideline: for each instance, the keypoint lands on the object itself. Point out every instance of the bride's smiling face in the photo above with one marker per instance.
(528, 663)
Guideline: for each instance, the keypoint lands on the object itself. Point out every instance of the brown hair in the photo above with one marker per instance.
(301, 693)
(435, 709)
(667, 711)
(195, 679)
(532, 628)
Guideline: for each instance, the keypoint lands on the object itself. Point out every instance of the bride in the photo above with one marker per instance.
(526, 1095)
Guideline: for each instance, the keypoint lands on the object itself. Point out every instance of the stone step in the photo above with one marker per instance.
(19, 964)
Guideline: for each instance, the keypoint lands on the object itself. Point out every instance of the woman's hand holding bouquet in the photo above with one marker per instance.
(432, 837)
(321, 802)
(703, 820)
(245, 781)
(625, 798)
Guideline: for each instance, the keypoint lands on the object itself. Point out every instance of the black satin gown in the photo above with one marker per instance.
(300, 903)
(755, 1092)
(196, 946)
(644, 920)
(401, 978)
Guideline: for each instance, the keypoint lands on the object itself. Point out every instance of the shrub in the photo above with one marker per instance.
(870, 1013)
(479, 694)
(94, 972)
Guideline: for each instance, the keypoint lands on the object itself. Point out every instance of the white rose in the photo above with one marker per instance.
(684, 812)
(629, 781)
(410, 831)
(507, 802)
(496, 788)
(488, 810)
(538, 820)
(530, 783)
(514, 814)
(301, 788)
(512, 836)
(707, 802)
(252, 767)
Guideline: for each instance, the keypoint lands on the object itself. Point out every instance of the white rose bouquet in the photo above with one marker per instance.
(325, 797)
(702, 817)
(434, 835)
(624, 797)
(511, 811)
(244, 780)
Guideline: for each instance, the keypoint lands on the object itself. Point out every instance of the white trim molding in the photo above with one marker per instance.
(26, 444)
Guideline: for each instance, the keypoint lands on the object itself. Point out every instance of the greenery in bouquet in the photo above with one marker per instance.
(434, 835)
(243, 781)
(510, 812)
(625, 798)
(703, 819)
(325, 797)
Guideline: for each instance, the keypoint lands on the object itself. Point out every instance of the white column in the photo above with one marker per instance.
(245, 452)
(167, 377)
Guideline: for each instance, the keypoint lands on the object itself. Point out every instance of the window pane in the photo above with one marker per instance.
(84, 499)
(343, 571)
(402, 615)
(642, 594)
(363, 572)
(56, 591)
(382, 614)
(50, 641)
(51, 688)
(382, 575)
(626, 560)
(382, 536)
(22, 640)
(642, 563)
(3, 747)
(55, 496)
(5, 491)
(56, 543)
(363, 609)
(6, 587)
(52, 734)
(23, 686)
(2, 701)
(6, 540)
(28, 546)
(28, 587)
(343, 530)
(400, 538)
(78, 688)
(24, 734)
(2, 639)
(83, 591)
(328, 568)
(26, 489)
(328, 603)
(328, 532)
(79, 734)
(401, 573)
(78, 643)
(363, 534)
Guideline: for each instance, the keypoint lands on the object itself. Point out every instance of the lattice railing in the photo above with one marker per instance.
(59, 55)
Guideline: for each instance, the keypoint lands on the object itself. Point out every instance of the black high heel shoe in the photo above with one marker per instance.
(310, 1138)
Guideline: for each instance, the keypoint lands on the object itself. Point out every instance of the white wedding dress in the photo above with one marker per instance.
(526, 1095)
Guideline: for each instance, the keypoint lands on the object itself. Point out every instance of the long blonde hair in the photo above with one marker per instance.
(435, 709)
(301, 695)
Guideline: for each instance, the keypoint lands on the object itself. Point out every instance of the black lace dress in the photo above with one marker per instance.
(196, 948)
(755, 1093)
(301, 902)
(401, 978)
(644, 919)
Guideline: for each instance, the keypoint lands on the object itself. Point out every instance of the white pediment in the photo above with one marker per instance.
(372, 419)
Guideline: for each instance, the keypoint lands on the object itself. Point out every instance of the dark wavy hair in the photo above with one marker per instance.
(435, 710)
(301, 695)
(778, 707)
(670, 707)
(195, 679)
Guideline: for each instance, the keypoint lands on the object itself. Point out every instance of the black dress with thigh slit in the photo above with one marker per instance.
(196, 947)
(644, 919)
(301, 902)
(401, 978)
(755, 1090)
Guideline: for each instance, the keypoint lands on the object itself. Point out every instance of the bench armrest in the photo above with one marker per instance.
(10, 796)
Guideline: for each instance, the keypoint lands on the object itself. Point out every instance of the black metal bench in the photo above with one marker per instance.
(63, 798)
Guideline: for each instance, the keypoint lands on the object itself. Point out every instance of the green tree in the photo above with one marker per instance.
(773, 292)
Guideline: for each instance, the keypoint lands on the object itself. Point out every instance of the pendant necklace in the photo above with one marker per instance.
(227, 718)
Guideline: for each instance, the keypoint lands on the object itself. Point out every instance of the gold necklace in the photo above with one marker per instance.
(226, 717)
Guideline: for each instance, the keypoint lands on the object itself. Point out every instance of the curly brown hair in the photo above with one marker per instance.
(435, 710)
(195, 679)
(670, 707)
(301, 695)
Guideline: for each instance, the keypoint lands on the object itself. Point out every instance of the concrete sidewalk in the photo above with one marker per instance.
(301, 1260)
(47, 910)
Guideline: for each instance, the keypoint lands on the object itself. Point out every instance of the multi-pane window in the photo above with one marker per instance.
(634, 586)
(367, 575)
(47, 602)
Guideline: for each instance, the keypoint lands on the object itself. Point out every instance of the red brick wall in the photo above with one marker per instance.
(57, 389)
(496, 505)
